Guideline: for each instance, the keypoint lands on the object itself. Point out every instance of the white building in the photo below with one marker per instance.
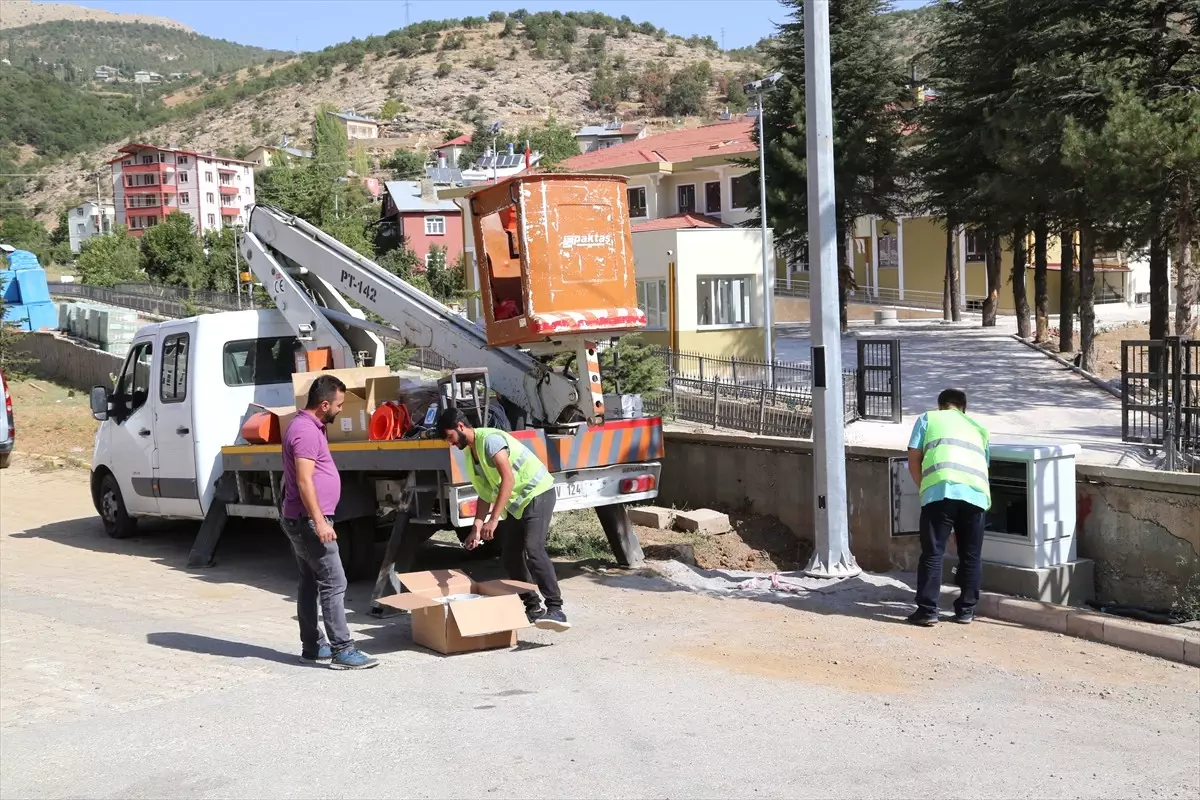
(88, 220)
(151, 182)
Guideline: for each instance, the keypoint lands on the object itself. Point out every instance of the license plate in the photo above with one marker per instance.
(568, 489)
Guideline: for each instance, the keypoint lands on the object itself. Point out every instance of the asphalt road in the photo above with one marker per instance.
(123, 674)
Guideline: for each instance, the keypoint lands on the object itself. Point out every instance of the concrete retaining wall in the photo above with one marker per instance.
(61, 360)
(1141, 528)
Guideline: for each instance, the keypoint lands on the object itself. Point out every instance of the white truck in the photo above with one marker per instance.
(168, 443)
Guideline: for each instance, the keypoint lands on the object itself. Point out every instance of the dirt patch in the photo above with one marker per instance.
(757, 543)
(1108, 346)
(866, 673)
(52, 420)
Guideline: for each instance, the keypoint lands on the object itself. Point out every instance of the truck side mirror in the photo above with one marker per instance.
(98, 399)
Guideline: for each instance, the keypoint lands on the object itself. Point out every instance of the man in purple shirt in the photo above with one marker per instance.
(311, 490)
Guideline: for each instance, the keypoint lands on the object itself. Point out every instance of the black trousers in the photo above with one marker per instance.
(938, 519)
(523, 551)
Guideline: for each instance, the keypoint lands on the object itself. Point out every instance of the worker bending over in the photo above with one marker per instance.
(948, 458)
(518, 491)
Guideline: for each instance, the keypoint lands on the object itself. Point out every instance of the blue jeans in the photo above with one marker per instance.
(322, 584)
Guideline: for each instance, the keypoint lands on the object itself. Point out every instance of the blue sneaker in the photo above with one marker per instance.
(553, 620)
(323, 655)
(353, 659)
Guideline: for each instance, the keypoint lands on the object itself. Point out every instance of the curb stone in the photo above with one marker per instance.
(1173, 644)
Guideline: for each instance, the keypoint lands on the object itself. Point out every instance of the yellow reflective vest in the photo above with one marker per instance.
(530, 476)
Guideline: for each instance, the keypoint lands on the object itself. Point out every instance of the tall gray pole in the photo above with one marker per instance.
(768, 278)
(831, 556)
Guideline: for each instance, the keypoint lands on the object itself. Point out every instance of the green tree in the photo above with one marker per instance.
(221, 264)
(405, 164)
(110, 259)
(171, 252)
(555, 141)
(633, 366)
(443, 70)
(687, 94)
(14, 360)
(390, 109)
(23, 232)
(868, 92)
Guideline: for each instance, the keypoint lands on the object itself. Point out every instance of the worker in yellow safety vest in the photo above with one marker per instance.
(948, 458)
(516, 501)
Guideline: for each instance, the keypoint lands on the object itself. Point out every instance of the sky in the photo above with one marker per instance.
(315, 24)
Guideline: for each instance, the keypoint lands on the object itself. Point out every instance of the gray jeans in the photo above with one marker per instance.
(323, 583)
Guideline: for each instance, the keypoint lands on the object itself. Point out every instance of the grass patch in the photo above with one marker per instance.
(578, 535)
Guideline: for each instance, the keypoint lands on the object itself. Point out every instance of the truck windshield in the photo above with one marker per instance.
(259, 362)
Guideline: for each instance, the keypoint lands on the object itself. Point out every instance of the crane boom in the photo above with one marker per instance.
(289, 255)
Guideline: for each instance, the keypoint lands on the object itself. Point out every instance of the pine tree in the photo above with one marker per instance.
(868, 94)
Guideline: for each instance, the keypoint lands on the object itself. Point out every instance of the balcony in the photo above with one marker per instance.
(230, 170)
(153, 188)
(228, 189)
(157, 168)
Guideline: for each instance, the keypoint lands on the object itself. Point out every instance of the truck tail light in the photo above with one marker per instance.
(467, 508)
(642, 483)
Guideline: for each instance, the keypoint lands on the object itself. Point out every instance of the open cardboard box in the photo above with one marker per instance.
(354, 423)
(461, 626)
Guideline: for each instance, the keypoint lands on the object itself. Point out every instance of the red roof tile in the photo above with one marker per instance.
(679, 222)
(457, 141)
(723, 138)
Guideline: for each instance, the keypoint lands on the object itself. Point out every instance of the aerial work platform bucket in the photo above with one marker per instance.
(555, 259)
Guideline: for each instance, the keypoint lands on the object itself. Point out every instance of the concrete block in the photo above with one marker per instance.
(651, 516)
(989, 604)
(1086, 625)
(1161, 643)
(702, 520)
(1071, 584)
(1191, 651)
(1034, 614)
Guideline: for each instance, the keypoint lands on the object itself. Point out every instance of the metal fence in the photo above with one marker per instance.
(773, 399)
(1160, 398)
(164, 301)
(879, 390)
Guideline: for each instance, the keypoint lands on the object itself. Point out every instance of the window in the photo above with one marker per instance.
(147, 159)
(79, 211)
(741, 191)
(435, 226)
(162, 158)
(210, 197)
(184, 198)
(887, 251)
(260, 362)
(133, 389)
(712, 197)
(723, 301)
(80, 228)
(976, 244)
(652, 298)
(212, 219)
(182, 160)
(685, 197)
(637, 201)
(183, 177)
(172, 386)
(208, 177)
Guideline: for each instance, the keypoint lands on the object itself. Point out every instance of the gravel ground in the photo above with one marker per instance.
(124, 674)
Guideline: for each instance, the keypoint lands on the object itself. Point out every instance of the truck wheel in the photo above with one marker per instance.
(4, 458)
(356, 547)
(117, 522)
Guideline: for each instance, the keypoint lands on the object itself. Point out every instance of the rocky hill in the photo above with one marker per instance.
(18, 13)
(442, 78)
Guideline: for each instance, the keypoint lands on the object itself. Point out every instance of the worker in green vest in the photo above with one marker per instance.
(516, 501)
(948, 458)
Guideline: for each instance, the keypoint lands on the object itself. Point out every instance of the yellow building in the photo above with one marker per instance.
(904, 261)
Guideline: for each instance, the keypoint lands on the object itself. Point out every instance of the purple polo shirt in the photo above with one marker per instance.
(305, 438)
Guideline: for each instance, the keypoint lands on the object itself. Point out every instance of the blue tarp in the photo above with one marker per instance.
(22, 259)
(42, 315)
(28, 286)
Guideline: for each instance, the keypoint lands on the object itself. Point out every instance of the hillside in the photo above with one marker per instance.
(515, 78)
(18, 13)
(129, 46)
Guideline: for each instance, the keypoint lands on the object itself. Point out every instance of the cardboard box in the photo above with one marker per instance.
(281, 417)
(381, 390)
(354, 423)
(466, 625)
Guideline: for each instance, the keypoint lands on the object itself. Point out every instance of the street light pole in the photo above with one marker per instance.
(831, 556)
(768, 278)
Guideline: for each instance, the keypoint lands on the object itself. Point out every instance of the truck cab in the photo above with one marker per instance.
(180, 396)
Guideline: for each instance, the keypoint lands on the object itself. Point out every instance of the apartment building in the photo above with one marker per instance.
(151, 182)
(88, 220)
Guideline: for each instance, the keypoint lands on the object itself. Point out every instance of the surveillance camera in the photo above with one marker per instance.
(670, 252)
